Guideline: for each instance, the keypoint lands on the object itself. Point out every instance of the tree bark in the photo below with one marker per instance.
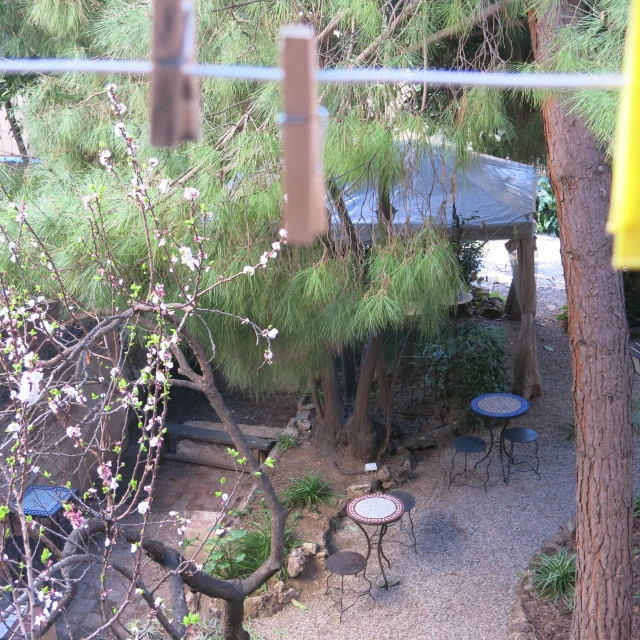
(598, 337)
(362, 435)
(17, 133)
(231, 620)
(382, 375)
(329, 429)
(349, 374)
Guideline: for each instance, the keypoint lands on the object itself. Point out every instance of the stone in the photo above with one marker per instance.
(420, 443)
(521, 627)
(443, 436)
(269, 603)
(550, 549)
(406, 464)
(302, 415)
(323, 553)
(310, 548)
(489, 311)
(290, 430)
(392, 476)
(356, 490)
(296, 562)
(304, 425)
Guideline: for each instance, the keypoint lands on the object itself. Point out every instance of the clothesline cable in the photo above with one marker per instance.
(438, 77)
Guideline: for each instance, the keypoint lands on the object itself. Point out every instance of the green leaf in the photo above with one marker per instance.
(298, 604)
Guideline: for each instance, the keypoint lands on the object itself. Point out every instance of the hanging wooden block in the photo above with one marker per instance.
(175, 99)
(304, 211)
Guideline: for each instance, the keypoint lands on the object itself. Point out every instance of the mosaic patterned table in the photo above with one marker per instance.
(377, 510)
(499, 406)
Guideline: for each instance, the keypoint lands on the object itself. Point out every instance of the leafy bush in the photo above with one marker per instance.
(242, 551)
(470, 258)
(555, 576)
(309, 491)
(547, 209)
(286, 441)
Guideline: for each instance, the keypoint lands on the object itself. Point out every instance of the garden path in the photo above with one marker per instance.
(472, 545)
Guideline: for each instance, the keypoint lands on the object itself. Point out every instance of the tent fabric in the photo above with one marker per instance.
(494, 198)
(527, 381)
(489, 199)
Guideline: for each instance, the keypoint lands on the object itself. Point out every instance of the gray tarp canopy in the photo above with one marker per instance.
(495, 199)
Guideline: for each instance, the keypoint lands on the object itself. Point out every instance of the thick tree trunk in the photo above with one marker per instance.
(598, 337)
(382, 375)
(349, 374)
(231, 620)
(328, 432)
(362, 434)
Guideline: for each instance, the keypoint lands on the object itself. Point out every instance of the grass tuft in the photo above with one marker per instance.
(555, 576)
(309, 491)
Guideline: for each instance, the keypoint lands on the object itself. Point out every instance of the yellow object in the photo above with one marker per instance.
(624, 216)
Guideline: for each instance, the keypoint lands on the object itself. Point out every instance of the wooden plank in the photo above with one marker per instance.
(212, 435)
(255, 430)
(206, 463)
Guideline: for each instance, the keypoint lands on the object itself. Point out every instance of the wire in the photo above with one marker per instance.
(440, 77)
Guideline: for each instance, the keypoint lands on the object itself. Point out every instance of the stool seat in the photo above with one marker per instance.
(520, 435)
(346, 563)
(469, 444)
(405, 497)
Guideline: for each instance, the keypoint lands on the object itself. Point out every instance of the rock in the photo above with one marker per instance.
(310, 548)
(306, 407)
(290, 430)
(489, 311)
(406, 464)
(304, 425)
(392, 476)
(269, 603)
(443, 436)
(420, 443)
(302, 415)
(323, 553)
(521, 627)
(550, 549)
(296, 562)
(356, 490)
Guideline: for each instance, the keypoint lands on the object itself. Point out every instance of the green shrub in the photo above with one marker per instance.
(568, 432)
(242, 551)
(636, 507)
(547, 209)
(286, 441)
(555, 576)
(309, 491)
(467, 364)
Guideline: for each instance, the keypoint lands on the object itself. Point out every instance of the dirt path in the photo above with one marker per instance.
(472, 545)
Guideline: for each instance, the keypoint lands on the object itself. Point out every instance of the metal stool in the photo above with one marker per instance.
(469, 445)
(518, 435)
(409, 503)
(347, 563)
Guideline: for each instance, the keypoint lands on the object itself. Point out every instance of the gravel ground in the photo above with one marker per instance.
(472, 545)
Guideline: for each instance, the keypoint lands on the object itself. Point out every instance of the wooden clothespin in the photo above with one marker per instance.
(305, 214)
(175, 97)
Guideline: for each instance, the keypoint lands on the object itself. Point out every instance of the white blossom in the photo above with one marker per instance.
(272, 333)
(152, 162)
(249, 269)
(187, 258)
(283, 232)
(164, 186)
(30, 387)
(119, 130)
(191, 194)
(143, 507)
(276, 246)
(160, 377)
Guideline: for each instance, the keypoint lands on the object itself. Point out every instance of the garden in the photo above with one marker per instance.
(269, 370)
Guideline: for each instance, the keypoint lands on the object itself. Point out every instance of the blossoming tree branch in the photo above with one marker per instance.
(76, 382)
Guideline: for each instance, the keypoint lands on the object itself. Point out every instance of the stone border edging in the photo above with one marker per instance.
(520, 628)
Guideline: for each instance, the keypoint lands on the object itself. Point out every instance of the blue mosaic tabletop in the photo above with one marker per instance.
(499, 405)
(45, 501)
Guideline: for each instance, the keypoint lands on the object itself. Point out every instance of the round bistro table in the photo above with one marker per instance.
(499, 406)
(377, 510)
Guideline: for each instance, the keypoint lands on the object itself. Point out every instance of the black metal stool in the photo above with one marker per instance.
(469, 445)
(348, 563)
(409, 503)
(518, 435)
